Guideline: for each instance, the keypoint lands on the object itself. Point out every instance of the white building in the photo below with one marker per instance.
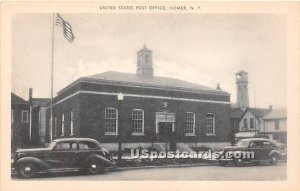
(275, 125)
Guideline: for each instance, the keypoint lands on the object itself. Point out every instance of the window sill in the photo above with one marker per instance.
(111, 134)
(210, 135)
(137, 134)
(190, 134)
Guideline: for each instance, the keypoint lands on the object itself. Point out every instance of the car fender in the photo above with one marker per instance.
(36, 161)
(99, 158)
(274, 152)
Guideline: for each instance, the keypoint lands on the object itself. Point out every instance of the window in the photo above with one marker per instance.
(251, 123)
(138, 121)
(24, 116)
(190, 123)
(210, 124)
(111, 121)
(72, 122)
(147, 59)
(12, 116)
(277, 124)
(245, 123)
(62, 125)
(63, 146)
(87, 145)
(55, 126)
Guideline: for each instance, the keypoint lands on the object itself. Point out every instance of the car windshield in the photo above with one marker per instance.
(243, 143)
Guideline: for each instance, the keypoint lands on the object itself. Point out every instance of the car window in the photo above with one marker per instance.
(63, 146)
(255, 144)
(266, 144)
(87, 145)
(74, 146)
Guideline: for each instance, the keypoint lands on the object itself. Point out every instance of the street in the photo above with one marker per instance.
(209, 173)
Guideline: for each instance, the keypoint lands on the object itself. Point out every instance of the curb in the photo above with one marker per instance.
(116, 169)
(166, 166)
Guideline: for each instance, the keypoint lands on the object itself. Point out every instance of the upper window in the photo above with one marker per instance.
(251, 123)
(72, 122)
(210, 124)
(245, 123)
(190, 123)
(55, 126)
(277, 124)
(24, 116)
(111, 121)
(138, 121)
(62, 124)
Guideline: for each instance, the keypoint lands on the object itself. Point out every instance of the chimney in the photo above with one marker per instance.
(30, 96)
(270, 107)
(218, 87)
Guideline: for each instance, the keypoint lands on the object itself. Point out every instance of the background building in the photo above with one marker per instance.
(251, 123)
(275, 125)
(153, 110)
(20, 109)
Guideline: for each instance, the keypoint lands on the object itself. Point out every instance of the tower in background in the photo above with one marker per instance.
(144, 62)
(242, 89)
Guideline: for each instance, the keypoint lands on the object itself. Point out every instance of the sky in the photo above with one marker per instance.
(201, 48)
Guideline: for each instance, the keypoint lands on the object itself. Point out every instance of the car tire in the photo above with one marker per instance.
(26, 170)
(273, 159)
(94, 167)
(239, 162)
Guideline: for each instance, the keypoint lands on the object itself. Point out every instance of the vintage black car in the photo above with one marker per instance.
(252, 150)
(63, 154)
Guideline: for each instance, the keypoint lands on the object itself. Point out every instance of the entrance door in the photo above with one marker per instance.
(166, 135)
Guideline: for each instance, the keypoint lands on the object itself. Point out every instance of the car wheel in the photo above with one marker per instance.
(239, 162)
(26, 170)
(273, 159)
(94, 167)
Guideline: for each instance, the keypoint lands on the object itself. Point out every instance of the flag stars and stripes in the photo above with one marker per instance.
(67, 29)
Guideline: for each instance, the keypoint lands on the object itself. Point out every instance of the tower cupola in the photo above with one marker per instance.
(242, 89)
(144, 62)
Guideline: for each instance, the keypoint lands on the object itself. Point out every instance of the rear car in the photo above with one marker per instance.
(63, 155)
(253, 150)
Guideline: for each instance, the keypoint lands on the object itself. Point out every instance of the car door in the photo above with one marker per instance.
(66, 154)
(85, 149)
(256, 147)
(267, 148)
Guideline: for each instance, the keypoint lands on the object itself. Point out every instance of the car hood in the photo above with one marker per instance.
(234, 148)
(36, 150)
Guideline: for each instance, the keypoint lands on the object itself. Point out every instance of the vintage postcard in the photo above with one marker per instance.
(142, 95)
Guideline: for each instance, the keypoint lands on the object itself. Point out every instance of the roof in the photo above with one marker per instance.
(276, 114)
(75, 139)
(17, 99)
(256, 139)
(120, 78)
(236, 112)
(241, 72)
(145, 49)
(258, 112)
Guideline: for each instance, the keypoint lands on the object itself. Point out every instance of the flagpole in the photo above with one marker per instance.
(52, 67)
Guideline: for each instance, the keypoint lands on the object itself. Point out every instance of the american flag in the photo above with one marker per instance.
(66, 27)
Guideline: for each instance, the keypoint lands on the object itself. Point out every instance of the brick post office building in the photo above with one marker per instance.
(154, 110)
